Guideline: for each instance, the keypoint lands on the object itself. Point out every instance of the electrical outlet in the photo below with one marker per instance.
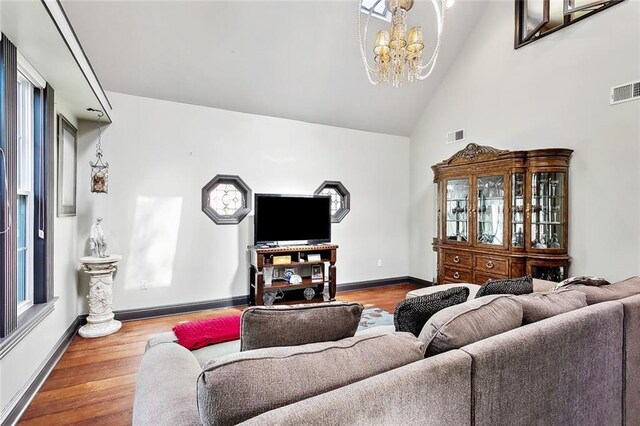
(144, 285)
(379, 263)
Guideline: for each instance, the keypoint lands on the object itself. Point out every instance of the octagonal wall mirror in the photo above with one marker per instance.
(538, 18)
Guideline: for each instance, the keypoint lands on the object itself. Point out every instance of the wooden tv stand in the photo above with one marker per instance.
(261, 256)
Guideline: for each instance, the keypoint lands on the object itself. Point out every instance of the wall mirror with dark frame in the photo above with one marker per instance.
(538, 18)
(67, 169)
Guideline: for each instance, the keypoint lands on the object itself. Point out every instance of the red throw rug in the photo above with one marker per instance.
(197, 334)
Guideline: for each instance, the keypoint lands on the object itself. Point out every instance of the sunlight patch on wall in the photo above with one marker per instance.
(154, 240)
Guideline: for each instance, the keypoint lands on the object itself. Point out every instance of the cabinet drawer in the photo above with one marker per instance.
(482, 278)
(492, 265)
(457, 275)
(461, 260)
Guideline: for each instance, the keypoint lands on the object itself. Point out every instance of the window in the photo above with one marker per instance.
(380, 9)
(26, 245)
(538, 18)
(226, 199)
(340, 199)
(25, 203)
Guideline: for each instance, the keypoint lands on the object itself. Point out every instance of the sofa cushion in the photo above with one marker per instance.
(265, 327)
(460, 325)
(538, 306)
(522, 285)
(473, 289)
(586, 280)
(411, 314)
(615, 291)
(241, 386)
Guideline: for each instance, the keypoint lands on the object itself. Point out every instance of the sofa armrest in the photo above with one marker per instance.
(166, 387)
(167, 337)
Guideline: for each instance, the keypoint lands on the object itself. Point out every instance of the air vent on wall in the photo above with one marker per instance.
(625, 92)
(457, 136)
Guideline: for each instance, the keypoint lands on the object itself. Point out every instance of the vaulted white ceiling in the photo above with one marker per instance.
(291, 59)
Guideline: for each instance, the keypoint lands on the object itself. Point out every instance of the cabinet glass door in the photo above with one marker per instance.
(547, 210)
(457, 210)
(490, 213)
(517, 210)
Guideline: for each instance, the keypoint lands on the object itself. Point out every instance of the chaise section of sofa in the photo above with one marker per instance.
(565, 370)
(631, 380)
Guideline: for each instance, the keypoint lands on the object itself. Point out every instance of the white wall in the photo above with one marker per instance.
(162, 153)
(19, 365)
(551, 93)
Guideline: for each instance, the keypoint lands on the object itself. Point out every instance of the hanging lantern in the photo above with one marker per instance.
(99, 169)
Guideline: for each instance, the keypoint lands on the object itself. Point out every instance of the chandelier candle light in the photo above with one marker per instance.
(398, 57)
(99, 170)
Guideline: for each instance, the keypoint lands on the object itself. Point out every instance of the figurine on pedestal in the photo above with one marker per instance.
(98, 242)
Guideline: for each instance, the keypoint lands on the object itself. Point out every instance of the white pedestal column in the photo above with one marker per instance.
(100, 321)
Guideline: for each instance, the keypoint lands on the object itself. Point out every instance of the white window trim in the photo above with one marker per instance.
(28, 191)
(30, 73)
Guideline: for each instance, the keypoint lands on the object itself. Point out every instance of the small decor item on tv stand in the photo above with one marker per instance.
(317, 273)
(295, 279)
(281, 260)
(271, 296)
(315, 257)
(267, 273)
(288, 273)
(309, 293)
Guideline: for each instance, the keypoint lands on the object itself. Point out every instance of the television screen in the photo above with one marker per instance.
(292, 219)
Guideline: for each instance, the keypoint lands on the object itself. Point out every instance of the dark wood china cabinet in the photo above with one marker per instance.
(502, 214)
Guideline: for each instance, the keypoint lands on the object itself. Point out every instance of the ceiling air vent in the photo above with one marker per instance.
(457, 136)
(625, 92)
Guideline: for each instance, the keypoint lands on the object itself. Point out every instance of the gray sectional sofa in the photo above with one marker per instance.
(578, 368)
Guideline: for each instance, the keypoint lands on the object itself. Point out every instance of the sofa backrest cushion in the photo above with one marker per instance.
(606, 293)
(412, 314)
(468, 322)
(565, 370)
(538, 306)
(541, 286)
(265, 327)
(435, 391)
(243, 385)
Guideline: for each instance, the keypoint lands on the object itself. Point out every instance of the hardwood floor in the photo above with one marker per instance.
(94, 381)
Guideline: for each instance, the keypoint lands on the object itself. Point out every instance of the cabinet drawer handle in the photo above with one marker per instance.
(490, 265)
(456, 275)
(456, 259)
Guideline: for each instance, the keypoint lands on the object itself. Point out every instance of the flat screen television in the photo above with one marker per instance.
(292, 219)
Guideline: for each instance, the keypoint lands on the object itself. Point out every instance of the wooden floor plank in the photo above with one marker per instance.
(94, 381)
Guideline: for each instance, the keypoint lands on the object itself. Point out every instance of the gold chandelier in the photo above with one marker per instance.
(398, 57)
